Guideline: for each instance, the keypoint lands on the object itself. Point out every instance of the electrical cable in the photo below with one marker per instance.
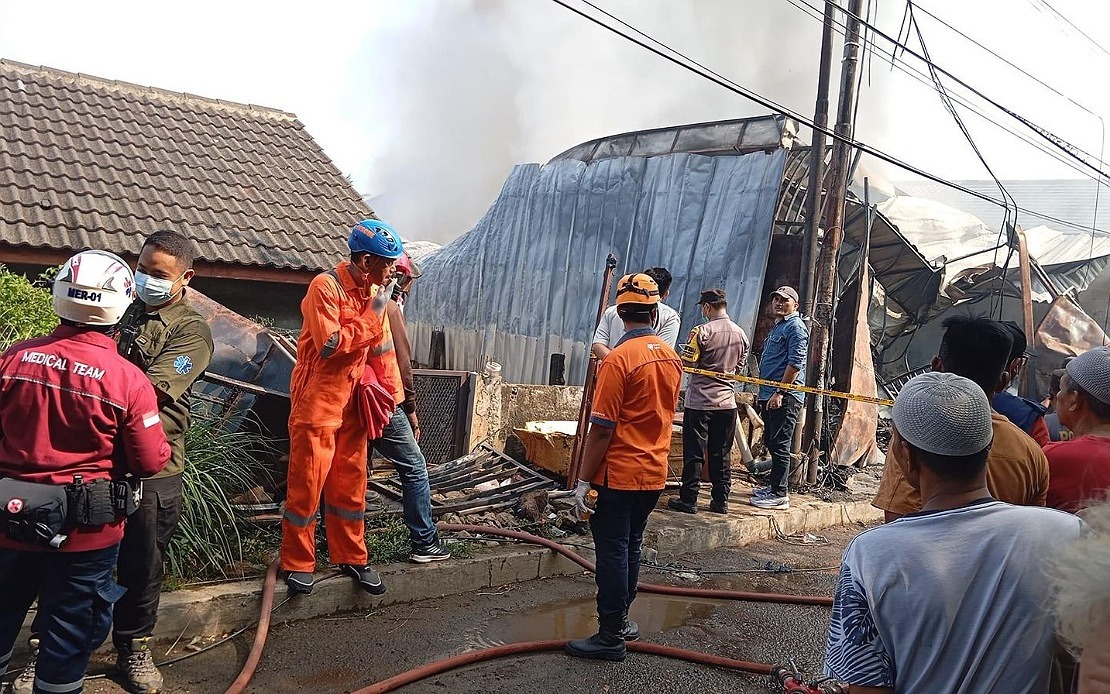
(1008, 225)
(771, 105)
(925, 79)
(1072, 150)
(1067, 21)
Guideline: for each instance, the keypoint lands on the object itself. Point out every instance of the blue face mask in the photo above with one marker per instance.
(155, 291)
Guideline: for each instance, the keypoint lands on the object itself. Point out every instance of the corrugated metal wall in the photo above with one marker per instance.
(523, 284)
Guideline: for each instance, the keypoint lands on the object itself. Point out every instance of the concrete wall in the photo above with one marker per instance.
(499, 407)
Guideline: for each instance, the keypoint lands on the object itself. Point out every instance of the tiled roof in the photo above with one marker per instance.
(91, 163)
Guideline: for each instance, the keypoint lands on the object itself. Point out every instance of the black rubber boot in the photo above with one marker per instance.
(630, 630)
(677, 504)
(606, 644)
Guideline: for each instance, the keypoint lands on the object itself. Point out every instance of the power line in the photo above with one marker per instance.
(1068, 148)
(1031, 76)
(771, 105)
(925, 79)
(1067, 21)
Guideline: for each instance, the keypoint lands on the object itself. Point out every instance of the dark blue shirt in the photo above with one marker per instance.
(785, 345)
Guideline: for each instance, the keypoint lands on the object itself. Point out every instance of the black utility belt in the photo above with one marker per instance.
(44, 514)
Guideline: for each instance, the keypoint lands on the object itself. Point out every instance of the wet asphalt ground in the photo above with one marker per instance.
(349, 651)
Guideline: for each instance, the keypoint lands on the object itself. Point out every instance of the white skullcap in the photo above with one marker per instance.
(1091, 372)
(943, 413)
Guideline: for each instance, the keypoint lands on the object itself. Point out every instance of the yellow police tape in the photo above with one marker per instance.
(789, 386)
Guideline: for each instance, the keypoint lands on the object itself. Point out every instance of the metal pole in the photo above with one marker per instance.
(808, 285)
(1025, 387)
(807, 272)
(834, 221)
(588, 386)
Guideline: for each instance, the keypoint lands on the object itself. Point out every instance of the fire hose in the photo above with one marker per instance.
(788, 679)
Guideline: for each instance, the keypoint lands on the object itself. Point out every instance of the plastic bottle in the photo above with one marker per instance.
(591, 503)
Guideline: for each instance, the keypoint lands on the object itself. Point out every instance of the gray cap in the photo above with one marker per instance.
(1091, 372)
(943, 413)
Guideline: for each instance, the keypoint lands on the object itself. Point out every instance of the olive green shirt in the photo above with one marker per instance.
(173, 346)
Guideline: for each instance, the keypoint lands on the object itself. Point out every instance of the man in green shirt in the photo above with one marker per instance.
(165, 337)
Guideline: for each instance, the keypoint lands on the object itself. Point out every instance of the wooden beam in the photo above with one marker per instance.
(25, 255)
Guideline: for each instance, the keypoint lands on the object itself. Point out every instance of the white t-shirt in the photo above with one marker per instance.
(950, 601)
(611, 328)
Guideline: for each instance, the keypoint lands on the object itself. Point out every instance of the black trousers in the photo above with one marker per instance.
(141, 554)
(713, 431)
(778, 434)
(618, 529)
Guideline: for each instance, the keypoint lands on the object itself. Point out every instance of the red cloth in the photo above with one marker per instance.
(375, 403)
(71, 405)
(1078, 472)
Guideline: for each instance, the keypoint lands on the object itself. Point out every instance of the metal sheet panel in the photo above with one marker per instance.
(523, 283)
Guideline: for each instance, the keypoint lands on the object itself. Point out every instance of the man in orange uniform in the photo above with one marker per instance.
(625, 458)
(343, 315)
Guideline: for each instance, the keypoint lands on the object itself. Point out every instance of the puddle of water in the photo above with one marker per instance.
(654, 613)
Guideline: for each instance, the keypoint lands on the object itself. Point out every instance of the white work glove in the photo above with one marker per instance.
(580, 493)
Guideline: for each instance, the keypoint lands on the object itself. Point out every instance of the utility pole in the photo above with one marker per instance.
(821, 333)
(808, 271)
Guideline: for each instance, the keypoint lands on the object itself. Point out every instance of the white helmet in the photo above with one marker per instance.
(94, 288)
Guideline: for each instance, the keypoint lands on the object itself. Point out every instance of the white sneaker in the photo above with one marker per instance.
(772, 501)
(760, 492)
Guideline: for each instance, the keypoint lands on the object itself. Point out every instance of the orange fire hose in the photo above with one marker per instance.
(260, 634)
(441, 666)
(645, 587)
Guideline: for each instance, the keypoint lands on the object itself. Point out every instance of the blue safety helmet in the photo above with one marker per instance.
(375, 237)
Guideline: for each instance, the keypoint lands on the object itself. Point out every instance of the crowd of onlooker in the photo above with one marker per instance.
(992, 572)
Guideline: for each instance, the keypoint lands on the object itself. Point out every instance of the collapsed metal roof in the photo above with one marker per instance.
(523, 284)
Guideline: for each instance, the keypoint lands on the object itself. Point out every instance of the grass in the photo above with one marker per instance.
(209, 542)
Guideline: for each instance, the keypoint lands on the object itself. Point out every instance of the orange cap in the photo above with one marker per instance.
(637, 289)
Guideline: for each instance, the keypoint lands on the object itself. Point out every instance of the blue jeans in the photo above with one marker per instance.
(398, 445)
(618, 529)
(778, 434)
(75, 592)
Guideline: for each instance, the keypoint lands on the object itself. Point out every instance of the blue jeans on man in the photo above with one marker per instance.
(398, 444)
(76, 592)
(778, 434)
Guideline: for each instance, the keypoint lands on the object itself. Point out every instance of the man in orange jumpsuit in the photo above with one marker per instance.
(344, 318)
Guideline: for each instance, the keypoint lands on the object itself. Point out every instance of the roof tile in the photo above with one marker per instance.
(87, 162)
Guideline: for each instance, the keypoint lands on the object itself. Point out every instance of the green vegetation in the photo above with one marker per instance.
(26, 308)
(209, 541)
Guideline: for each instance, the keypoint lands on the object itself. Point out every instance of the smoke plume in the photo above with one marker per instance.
(465, 89)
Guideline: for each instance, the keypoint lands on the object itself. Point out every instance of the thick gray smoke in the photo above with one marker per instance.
(465, 89)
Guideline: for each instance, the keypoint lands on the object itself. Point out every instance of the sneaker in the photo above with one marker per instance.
(759, 492)
(429, 553)
(677, 504)
(773, 501)
(25, 683)
(137, 666)
(718, 507)
(300, 582)
(366, 578)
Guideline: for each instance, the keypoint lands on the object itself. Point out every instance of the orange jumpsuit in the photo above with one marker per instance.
(327, 441)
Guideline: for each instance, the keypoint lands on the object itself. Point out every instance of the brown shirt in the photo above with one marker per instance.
(1017, 473)
(716, 345)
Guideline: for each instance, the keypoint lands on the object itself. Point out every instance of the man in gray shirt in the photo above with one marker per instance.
(952, 598)
(709, 415)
